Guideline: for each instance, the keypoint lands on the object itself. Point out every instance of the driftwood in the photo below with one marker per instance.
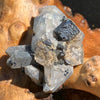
(16, 18)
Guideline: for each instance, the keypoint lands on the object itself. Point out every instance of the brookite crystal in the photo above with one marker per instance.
(55, 48)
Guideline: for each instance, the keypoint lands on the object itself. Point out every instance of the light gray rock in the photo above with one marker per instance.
(55, 76)
(19, 59)
(35, 74)
(10, 51)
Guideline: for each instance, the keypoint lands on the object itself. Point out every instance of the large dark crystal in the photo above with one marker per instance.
(66, 31)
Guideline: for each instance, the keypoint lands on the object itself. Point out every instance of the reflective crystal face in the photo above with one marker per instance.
(66, 31)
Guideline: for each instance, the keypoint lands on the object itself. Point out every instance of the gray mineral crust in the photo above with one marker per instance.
(55, 48)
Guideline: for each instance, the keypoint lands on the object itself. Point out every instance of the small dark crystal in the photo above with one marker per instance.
(28, 48)
(60, 47)
(61, 55)
(11, 63)
(47, 42)
(66, 72)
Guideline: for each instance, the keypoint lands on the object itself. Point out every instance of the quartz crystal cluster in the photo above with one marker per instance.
(55, 49)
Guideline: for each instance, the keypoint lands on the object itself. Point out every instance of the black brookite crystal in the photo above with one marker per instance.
(66, 31)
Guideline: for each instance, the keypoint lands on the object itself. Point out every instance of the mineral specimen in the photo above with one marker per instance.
(55, 48)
